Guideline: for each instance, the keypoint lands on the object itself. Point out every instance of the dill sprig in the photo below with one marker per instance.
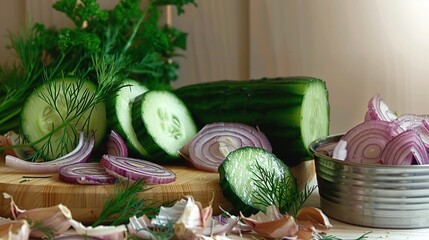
(126, 203)
(104, 46)
(332, 237)
(279, 190)
(40, 226)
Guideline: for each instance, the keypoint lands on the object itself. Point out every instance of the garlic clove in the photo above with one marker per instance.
(193, 220)
(315, 216)
(54, 219)
(272, 224)
(168, 215)
(14, 230)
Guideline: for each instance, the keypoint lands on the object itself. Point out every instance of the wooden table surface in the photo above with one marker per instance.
(85, 201)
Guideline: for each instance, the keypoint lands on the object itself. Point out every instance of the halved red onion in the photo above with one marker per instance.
(209, 147)
(405, 149)
(81, 153)
(85, 173)
(366, 141)
(379, 110)
(134, 169)
(116, 145)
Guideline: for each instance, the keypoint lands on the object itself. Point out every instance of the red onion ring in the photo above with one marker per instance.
(379, 110)
(366, 141)
(81, 153)
(134, 169)
(86, 173)
(116, 145)
(410, 121)
(209, 147)
(405, 149)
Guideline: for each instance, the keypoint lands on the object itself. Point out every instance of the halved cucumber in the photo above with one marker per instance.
(238, 176)
(119, 114)
(163, 124)
(291, 111)
(57, 102)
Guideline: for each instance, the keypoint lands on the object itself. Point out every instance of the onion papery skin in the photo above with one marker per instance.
(205, 151)
(405, 149)
(116, 145)
(366, 141)
(134, 169)
(379, 110)
(86, 173)
(81, 153)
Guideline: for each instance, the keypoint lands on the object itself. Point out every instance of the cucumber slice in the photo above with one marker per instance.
(119, 114)
(69, 95)
(237, 175)
(163, 124)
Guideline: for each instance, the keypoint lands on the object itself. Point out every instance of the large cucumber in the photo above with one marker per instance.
(291, 111)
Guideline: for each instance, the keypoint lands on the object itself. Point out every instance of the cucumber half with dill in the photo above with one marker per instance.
(291, 111)
(163, 124)
(55, 113)
(244, 176)
(120, 116)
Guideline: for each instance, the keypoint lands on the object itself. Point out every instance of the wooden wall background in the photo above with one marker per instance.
(358, 47)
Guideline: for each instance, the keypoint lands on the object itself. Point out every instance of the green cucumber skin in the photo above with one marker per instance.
(228, 192)
(271, 104)
(227, 173)
(113, 120)
(153, 152)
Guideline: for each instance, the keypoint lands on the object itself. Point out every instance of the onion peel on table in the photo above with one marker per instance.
(55, 218)
(273, 224)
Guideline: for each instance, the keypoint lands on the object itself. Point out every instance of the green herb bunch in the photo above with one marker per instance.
(105, 46)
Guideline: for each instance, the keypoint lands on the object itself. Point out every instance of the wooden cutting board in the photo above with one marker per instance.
(86, 201)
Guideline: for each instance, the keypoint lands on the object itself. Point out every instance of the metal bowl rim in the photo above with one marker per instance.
(331, 138)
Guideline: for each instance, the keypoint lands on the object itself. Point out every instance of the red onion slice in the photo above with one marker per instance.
(81, 153)
(366, 141)
(410, 121)
(134, 169)
(209, 147)
(85, 173)
(116, 145)
(379, 110)
(405, 149)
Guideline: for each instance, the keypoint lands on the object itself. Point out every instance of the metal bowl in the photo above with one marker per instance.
(371, 195)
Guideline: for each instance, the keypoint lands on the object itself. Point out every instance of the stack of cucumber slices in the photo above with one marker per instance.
(155, 123)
